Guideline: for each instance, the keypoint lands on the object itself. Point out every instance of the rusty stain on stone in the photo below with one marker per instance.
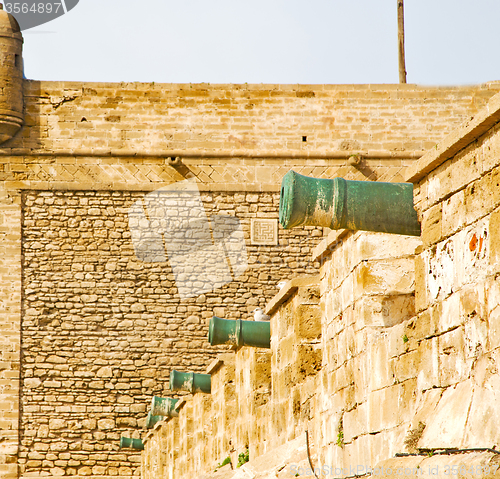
(473, 242)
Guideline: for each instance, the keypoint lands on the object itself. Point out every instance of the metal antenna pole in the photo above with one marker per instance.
(401, 42)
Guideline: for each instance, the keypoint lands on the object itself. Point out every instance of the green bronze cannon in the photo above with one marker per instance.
(239, 333)
(127, 442)
(151, 420)
(163, 407)
(191, 382)
(355, 205)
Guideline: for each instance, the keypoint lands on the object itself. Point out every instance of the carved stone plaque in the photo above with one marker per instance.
(264, 231)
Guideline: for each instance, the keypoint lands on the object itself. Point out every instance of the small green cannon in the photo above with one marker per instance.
(239, 333)
(191, 382)
(355, 205)
(151, 420)
(163, 407)
(127, 442)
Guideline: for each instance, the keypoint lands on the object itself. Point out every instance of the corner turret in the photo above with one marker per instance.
(11, 76)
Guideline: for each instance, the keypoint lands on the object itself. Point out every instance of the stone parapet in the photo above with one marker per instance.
(253, 389)
(242, 414)
(104, 117)
(89, 333)
(314, 379)
(457, 294)
(406, 336)
(366, 287)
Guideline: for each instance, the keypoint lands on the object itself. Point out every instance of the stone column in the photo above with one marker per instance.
(10, 330)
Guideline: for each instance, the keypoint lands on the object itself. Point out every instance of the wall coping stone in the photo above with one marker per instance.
(222, 359)
(153, 430)
(180, 404)
(214, 365)
(36, 476)
(288, 290)
(325, 246)
(461, 137)
(68, 84)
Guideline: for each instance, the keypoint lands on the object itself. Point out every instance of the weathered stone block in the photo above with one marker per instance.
(432, 225)
(440, 432)
(446, 315)
(308, 321)
(410, 364)
(383, 407)
(308, 361)
(385, 277)
(453, 365)
(384, 310)
(375, 246)
(355, 422)
(381, 367)
(482, 196)
(453, 214)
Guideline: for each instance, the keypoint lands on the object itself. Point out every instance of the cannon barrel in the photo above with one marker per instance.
(191, 382)
(127, 442)
(163, 406)
(356, 205)
(239, 333)
(151, 420)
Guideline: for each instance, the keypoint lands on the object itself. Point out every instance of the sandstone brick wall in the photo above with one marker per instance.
(10, 337)
(110, 136)
(147, 118)
(102, 329)
(108, 142)
(367, 286)
(223, 413)
(318, 367)
(409, 335)
(457, 288)
(251, 429)
(296, 360)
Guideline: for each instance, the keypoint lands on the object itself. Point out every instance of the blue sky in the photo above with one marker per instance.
(448, 42)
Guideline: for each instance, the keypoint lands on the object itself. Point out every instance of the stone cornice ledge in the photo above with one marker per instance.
(219, 361)
(31, 476)
(288, 290)
(465, 134)
(180, 404)
(325, 246)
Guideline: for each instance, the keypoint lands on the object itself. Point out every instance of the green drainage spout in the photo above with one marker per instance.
(191, 382)
(127, 442)
(355, 205)
(151, 420)
(163, 407)
(240, 333)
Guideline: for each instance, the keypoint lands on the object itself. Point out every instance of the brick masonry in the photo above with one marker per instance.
(107, 144)
(390, 362)
(102, 330)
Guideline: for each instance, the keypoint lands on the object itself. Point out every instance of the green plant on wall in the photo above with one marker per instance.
(340, 430)
(223, 463)
(243, 458)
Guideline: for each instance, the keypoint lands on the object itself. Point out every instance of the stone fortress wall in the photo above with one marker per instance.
(89, 332)
(385, 363)
(101, 329)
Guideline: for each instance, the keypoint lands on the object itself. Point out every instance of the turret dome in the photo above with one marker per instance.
(11, 76)
(8, 24)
